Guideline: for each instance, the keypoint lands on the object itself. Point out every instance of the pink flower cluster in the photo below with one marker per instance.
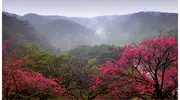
(143, 68)
(17, 79)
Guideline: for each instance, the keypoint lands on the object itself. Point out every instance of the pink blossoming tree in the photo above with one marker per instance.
(146, 70)
(19, 82)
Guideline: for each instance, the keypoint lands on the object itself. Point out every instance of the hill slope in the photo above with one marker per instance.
(70, 32)
(22, 32)
(123, 29)
(62, 33)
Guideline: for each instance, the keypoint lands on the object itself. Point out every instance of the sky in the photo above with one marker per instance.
(87, 8)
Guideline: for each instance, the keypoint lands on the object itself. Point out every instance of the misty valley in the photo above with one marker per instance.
(111, 57)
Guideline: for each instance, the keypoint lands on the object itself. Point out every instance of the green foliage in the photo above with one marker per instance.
(95, 55)
(42, 60)
(173, 32)
(91, 61)
(33, 52)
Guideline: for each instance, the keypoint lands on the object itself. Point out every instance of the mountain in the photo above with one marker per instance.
(146, 24)
(62, 33)
(20, 31)
(80, 20)
(67, 34)
(116, 29)
(123, 29)
(71, 32)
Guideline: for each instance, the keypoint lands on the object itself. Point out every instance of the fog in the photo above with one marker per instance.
(70, 32)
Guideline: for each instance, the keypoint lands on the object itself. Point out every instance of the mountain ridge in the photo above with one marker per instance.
(110, 29)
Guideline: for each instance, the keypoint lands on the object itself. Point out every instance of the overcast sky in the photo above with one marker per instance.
(88, 8)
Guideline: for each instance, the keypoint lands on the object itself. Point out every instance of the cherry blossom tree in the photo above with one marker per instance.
(19, 82)
(147, 69)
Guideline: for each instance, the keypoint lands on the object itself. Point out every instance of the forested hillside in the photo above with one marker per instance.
(115, 29)
(124, 29)
(20, 32)
(61, 32)
(97, 54)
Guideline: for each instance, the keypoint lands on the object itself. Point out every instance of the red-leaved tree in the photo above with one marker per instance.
(146, 70)
(21, 82)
